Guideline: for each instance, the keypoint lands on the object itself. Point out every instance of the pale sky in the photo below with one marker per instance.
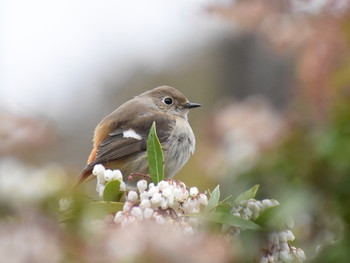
(52, 49)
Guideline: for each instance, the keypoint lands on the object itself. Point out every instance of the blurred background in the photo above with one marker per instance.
(273, 78)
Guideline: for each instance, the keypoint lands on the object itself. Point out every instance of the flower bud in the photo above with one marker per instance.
(194, 191)
(132, 196)
(122, 186)
(118, 217)
(118, 175)
(137, 213)
(109, 175)
(148, 213)
(162, 185)
(142, 185)
(290, 236)
(99, 169)
(156, 198)
(145, 203)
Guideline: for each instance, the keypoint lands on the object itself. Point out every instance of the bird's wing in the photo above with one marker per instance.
(128, 138)
(131, 137)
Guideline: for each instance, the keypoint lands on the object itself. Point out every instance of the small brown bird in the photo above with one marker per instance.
(120, 139)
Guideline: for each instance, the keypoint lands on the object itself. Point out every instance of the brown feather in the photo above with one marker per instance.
(101, 132)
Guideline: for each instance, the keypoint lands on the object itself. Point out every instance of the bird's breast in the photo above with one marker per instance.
(178, 147)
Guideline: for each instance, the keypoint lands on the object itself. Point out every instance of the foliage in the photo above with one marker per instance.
(153, 202)
(155, 156)
(310, 169)
(112, 191)
(166, 203)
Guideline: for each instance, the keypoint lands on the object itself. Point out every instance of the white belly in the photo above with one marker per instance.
(178, 148)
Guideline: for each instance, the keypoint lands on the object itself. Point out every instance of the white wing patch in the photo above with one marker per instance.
(131, 134)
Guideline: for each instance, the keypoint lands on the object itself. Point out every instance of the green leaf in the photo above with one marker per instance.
(247, 194)
(155, 156)
(227, 218)
(223, 207)
(112, 192)
(102, 207)
(214, 199)
(279, 216)
(233, 220)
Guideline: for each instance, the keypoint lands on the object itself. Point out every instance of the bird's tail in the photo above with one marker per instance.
(84, 176)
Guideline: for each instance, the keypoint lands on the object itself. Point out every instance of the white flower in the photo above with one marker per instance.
(245, 216)
(177, 193)
(284, 246)
(101, 189)
(159, 219)
(273, 238)
(118, 217)
(127, 206)
(274, 202)
(170, 199)
(142, 185)
(145, 203)
(247, 212)
(176, 206)
(164, 203)
(285, 256)
(203, 199)
(180, 194)
(194, 191)
(192, 203)
(122, 186)
(101, 179)
(271, 259)
(132, 196)
(144, 196)
(148, 213)
(128, 221)
(152, 191)
(266, 203)
(259, 206)
(156, 198)
(300, 255)
(290, 236)
(167, 192)
(118, 175)
(99, 169)
(163, 185)
(109, 175)
(252, 204)
(137, 213)
(186, 207)
(282, 236)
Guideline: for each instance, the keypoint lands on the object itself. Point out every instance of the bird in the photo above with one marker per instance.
(120, 139)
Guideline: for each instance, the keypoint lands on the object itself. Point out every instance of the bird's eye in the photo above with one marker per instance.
(168, 101)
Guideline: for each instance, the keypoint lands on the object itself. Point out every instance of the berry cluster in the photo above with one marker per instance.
(166, 203)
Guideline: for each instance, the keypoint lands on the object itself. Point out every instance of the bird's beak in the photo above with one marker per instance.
(190, 105)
